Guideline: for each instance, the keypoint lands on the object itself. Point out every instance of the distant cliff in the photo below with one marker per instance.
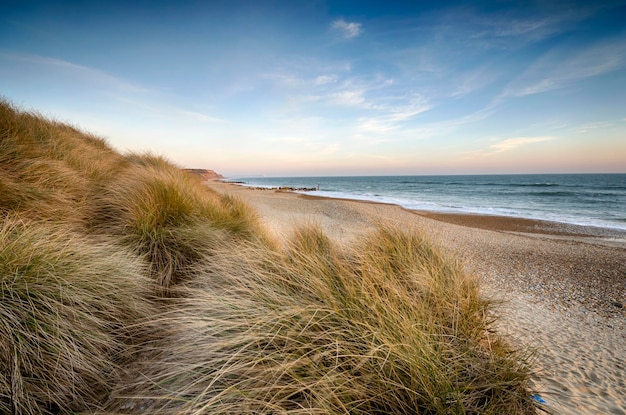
(206, 174)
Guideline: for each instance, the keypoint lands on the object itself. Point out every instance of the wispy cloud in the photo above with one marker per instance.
(404, 113)
(353, 98)
(471, 81)
(165, 111)
(325, 79)
(90, 74)
(447, 126)
(393, 116)
(477, 32)
(585, 128)
(517, 27)
(334, 90)
(560, 68)
(348, 30)
(506, 145)
(522, 29)
(132, 95)
(198, 116)
(371, 106)
(375, 126)
(295, 80)
(512, 143)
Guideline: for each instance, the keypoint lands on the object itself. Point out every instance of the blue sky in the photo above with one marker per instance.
(331, 88)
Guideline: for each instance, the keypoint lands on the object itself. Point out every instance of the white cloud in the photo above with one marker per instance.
(347, 98)
(348, 30)
(392, 117)
(325, 79)
(515, 142)
(416, 106)
(375, 125)
(506, 145)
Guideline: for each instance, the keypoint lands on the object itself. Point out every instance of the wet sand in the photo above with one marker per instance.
(561, 289)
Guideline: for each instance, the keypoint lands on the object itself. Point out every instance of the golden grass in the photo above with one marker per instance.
(66, 304)
(49, 169)
(169, 216)
(389, 325)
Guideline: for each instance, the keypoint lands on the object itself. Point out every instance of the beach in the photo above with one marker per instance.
(560, 290)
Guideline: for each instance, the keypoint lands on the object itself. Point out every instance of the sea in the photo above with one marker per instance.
(597, 200)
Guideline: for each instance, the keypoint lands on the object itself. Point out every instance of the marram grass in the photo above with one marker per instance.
(241, 324)
(169, 216)
(389, 327)
(67, 305)
(48, 170)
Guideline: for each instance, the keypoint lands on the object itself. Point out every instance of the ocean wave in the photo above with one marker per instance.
(411, 204)
(561, 193)
(591, 200)
(528, 184)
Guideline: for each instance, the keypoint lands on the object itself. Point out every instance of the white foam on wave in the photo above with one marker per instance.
(412, 204)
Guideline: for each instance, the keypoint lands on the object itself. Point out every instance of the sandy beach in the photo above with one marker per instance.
(561, 289)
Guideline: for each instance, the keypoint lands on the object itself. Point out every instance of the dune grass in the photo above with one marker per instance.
(67, 305)
(390, 326)
(169, 216)
(241, 324)
(48, 169)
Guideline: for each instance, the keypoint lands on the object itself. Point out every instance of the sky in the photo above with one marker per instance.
(318, 88)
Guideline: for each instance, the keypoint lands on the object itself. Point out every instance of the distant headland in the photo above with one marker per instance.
(206, 174)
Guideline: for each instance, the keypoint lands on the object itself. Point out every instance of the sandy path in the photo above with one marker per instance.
(564, 288)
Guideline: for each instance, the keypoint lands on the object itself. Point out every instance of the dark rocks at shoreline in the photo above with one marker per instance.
(278, 189)
(297, 189)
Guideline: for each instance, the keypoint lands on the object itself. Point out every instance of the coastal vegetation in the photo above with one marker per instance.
(128, 286)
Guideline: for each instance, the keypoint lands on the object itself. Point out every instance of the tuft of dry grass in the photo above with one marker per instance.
(67, 305)
(169, 216)
(48, 168)
(389, 326)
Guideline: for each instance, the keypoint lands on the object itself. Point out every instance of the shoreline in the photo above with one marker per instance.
(560, 292)
(554, 226)
(584, 252)
(535, 228)
(495, 222)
